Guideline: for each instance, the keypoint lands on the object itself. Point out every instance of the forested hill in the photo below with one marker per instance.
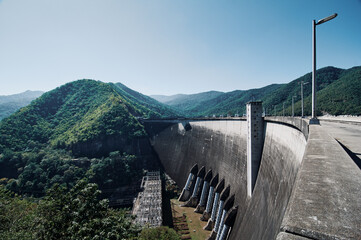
(78, 114)
(147, 105)
(63, 147)
(338, 93)
(11, 103)
(186, 101)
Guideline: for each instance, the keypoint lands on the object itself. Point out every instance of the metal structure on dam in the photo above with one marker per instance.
(305, 185)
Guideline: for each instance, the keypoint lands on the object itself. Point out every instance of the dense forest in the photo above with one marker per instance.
(59, 153)
(338, 94)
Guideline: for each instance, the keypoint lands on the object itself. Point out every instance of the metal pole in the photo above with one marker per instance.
(314, 70)
(302, 99)
(293, 108)
(314, 119)
(283, 109)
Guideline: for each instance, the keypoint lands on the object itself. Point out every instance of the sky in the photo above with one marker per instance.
(172, 46)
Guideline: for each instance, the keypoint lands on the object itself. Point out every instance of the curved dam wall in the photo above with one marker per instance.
(221, 145)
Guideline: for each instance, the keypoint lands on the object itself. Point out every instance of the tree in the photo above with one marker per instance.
(159, 233)
(79, 214)
(17, 216)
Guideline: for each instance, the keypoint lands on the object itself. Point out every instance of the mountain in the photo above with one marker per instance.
(274, 101)
(145, 103)
(86, 116)
(185, 100)
(83, 129)
(11, 103)
(343, 96)
(337, 93)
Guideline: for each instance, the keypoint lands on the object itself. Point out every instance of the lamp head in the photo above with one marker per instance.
(326, 19)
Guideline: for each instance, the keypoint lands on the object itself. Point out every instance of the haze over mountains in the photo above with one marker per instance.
(10, 103)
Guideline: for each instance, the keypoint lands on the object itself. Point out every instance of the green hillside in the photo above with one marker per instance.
(274, 101)
(11, 103)
(82, 129)
(186, 101)
(342, 97)
(148, 106)
(337, 94)
(74, 113)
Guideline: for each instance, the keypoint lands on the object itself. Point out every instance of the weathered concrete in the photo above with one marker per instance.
(220, 145)
(282, 156)
(295, 122)
(288, 236)
(187, 190)
(325, 202)
(255, 140)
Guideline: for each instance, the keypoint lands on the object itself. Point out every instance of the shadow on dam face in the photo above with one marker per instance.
(221, 146)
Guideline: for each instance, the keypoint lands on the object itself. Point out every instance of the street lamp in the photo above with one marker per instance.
(293, 104)
(314, 119)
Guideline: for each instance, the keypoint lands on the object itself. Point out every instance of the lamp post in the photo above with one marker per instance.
(293, 104)
(283, 110)
(314, 119)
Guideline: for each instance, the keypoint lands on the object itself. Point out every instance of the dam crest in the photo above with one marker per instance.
(208, 160)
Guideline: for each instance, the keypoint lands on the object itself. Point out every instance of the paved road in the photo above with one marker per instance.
(347, 134)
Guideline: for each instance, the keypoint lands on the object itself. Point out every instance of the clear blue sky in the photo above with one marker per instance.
(169, 47)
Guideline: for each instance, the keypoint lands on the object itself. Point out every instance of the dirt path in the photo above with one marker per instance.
(194, 224)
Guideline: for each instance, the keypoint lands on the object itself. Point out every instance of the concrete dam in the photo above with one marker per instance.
(249, 177)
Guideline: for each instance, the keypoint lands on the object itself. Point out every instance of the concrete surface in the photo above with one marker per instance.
(221, 146)
(314, 190)
(282, 155)
(287, 236)
(325, 203)
(341, 118)
(347, 134)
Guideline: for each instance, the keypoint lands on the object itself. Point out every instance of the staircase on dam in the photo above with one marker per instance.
(303, 184)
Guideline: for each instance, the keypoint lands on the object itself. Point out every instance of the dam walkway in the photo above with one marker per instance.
(325, 203)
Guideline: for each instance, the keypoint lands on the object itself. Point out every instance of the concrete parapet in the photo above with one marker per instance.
(325, 202)
(299, 123)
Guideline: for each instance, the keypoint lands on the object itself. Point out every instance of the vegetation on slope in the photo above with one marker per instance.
(338, 93)
(77, 112)
(75, 213)
(186, 102)
(41, 144)
(148, 106)
(44, 148)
